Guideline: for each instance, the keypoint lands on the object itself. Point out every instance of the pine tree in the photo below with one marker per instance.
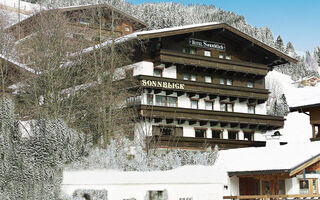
(285, 106)
(31, 167)
(316, 53)
(279, 44)
(290, 50)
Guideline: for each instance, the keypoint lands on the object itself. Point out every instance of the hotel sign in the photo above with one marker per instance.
(163, 84)
(207, 44)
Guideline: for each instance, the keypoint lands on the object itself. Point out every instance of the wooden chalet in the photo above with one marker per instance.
(277, 172)
(204, 85)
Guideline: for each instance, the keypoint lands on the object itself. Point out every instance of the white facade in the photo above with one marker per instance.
(184, 101)
(202, 183)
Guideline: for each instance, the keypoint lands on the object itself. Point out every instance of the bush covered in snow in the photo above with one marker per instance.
(31, 167)
(119, 156)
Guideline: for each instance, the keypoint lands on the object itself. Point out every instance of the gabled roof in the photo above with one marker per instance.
(211, 26)
(83, 7)
(290, 159)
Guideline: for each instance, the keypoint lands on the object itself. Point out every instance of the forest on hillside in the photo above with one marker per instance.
(169, 14)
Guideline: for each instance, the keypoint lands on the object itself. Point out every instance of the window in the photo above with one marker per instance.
(194, 103)
(282, 188)
(217, 134)
(248, 136)
(208, 79)
(251, 109)
(209, 105)
(157, 72)
(168, 131)
(229, 82)
(232, 135)
(250, 84)
(156, 195)
(316, 129)
(127, 29)
(166, 101)
(172, 101)
(221, 56)
(226, 106)
(185, 76)
(150, 99)
(160, 100)
(200, 133)
(189, 50)
(228, 57)
(207, 53)
(193, 77)
(308, 186)
(222, 81)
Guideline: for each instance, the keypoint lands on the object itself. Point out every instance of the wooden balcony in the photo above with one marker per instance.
(209, 89)
(199, 143)
(169, 56)
(205, 117)
(284, 197)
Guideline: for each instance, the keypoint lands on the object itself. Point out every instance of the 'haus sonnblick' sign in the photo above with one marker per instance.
(207, 44)
(162, 84)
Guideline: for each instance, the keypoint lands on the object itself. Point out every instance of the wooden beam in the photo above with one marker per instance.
(179, 93)
(169, 92)
(157, 91)
(305, 165)
(157, 120)
(181, 121)
(203, 123)
(169, 121)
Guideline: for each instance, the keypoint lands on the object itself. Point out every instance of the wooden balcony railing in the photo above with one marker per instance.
(261, 95)
(287, 197)
(169, 56)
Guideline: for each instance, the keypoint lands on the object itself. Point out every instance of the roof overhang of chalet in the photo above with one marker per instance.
(277, 57)
(304, 108)
(289, 172)
(138, 23)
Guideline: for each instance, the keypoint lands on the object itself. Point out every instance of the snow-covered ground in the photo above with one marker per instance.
(297, 128)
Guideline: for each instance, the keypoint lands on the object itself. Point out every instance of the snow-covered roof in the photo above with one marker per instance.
(272, 158)
(195, 174)
(306, 96)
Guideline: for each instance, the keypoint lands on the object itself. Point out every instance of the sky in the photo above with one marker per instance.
(297, 21)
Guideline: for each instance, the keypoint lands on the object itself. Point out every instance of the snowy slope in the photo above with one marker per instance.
(297, 128)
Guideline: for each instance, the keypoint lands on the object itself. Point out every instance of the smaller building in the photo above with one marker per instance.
(310, 105)
(291, 170)
(185, 183)
(310, 81)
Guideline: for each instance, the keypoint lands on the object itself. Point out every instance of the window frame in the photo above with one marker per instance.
(166, 100)
(221, 55)
(228, 79)
(228, 56)
(193, 76)
(254, 108)
(186, 77)
(207, 51)
(215, 129)
(310, 185)
(149, 95)
(207, 76)
(250, 133)
(226, 107)
(200, 129)
(194, 99)
(209, 101)
(233, 131)
(251, 83)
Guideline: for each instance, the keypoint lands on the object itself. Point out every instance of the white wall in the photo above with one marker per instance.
(143, 68)
(139, 191)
